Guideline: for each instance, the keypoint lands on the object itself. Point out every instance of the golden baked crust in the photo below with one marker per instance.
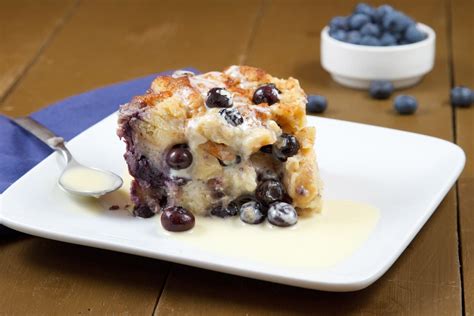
(174, 112)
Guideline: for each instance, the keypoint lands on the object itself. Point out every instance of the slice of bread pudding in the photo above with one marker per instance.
(223, 144)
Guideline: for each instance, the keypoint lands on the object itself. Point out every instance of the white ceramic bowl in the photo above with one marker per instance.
(356, 66)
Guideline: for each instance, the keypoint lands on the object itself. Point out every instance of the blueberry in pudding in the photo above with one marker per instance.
(179, 157)
(219, 98)
(232, 116)
(266, 94)
(252, 213)
(286, 146)
(269, 191)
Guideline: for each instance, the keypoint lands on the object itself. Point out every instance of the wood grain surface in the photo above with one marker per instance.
(24, 33)
(463, 74)
(83, 45)
(106, 42)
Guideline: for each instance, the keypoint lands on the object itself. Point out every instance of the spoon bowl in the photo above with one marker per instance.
(86, 181)
(76, 178)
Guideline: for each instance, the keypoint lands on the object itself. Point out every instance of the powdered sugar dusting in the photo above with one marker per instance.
(182, 73)
(204, 83)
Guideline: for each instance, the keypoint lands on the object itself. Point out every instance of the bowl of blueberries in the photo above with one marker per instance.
(377, 43)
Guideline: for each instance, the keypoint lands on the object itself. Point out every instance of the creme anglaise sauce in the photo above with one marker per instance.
(319, 241)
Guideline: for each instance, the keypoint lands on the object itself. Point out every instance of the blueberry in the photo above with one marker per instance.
(230, 210)
(286, 146)
(243, 199)
(366, 9)
(398, 35)
(405, 104)
(216, 188)
(413, 34)
(358, 20)
(219, 98)
(143, 211)
(316, 104)
(368, 40)
(370, 29)
(177, 219)
(179, 157)
(340, 35)
(462, 96)
(282, 214)
(266, 94)
(267, 149)
(269, 191)
(353, 37)
(396, 21)
(381, 11)
(381, 89)
(141, 168)
(388, 39)
(252, 213)
(232, 116)
(338, 23)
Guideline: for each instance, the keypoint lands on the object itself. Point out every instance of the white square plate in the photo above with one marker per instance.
(405, 175)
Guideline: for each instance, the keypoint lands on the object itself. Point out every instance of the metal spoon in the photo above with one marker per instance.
(75, 178)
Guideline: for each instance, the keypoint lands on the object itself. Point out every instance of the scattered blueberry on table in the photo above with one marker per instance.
(381, 89)
(462, 96)
(370, 26)
(316, 104)
(405, 104)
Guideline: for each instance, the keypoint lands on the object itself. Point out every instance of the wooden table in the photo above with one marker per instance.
(53, 49)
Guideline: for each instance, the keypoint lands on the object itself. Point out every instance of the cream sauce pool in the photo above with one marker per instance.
(322, 240)
(319, 241)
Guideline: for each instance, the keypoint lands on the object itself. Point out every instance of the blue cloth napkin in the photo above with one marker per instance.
(21, 151)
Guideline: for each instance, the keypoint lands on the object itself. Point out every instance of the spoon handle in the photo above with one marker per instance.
(45, 135)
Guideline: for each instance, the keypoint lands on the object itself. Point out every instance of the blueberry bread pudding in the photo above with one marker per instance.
(231, 143)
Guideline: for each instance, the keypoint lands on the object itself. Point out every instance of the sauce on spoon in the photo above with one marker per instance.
(83, 179)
